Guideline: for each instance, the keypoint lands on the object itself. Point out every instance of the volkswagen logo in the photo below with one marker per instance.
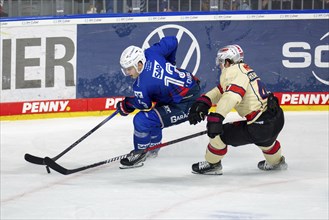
(193, 54)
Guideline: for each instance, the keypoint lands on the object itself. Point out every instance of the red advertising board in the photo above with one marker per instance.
(318, 101)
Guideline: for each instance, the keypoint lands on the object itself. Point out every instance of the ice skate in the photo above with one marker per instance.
(282, 165)
(207, 168)
(134, 159)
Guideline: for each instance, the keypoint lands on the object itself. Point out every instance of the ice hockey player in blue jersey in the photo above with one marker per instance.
(163, 93)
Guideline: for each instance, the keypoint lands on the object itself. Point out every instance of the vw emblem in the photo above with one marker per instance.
(194, 47)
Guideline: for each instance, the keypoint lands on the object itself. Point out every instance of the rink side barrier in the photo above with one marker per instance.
(104, 106)
(64, 66)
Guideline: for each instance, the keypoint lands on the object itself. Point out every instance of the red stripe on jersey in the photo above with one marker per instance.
(220, 89)
(220, 152)
(252, 115)
(274, 149)
(184, 91)
(236, 89)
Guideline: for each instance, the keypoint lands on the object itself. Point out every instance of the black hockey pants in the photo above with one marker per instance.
(263, 132)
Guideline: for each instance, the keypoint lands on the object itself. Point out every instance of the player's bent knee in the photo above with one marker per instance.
(146, 121)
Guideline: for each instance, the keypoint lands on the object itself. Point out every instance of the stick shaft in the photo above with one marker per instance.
(55, 166)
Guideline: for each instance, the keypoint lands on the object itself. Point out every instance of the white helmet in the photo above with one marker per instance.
(130, 58)
(234, 53)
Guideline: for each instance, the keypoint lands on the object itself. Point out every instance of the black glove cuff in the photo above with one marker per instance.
(205, 99)
(215, 117)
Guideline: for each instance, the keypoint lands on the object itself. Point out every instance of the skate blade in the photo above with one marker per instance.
(217, 173)
(123, 167)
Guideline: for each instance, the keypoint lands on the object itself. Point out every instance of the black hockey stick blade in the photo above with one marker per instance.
(36, 160)
(55, 166)
(40, 161)
(33, 159)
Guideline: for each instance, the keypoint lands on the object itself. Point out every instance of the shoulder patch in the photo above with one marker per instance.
(157, 70)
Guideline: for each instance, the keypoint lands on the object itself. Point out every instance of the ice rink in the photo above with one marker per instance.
(164, 188)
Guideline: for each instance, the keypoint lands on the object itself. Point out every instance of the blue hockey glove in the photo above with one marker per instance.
(199, 110)
(125, 107)
(214, 124)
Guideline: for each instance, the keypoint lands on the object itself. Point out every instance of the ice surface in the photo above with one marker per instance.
(164, 188)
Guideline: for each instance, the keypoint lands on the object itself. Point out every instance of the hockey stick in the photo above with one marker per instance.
(55, 166)
(40, 161)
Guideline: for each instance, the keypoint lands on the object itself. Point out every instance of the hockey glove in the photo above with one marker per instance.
(272, 103)
(199, 110)
(214, 124)
(125, 107)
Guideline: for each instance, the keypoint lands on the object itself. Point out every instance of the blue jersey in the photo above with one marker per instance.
(161, 81)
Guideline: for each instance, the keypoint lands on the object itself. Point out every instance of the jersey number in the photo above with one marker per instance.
(171, 69)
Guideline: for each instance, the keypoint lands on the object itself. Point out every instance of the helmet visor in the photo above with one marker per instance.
(127, 71)
(219, 61)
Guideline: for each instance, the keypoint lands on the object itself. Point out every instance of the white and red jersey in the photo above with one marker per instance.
(239, 88)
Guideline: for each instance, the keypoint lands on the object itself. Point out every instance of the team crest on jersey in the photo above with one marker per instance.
(157, 70)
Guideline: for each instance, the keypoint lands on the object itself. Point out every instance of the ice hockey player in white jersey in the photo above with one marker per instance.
(241, 89)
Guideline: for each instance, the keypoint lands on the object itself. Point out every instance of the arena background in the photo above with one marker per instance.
(69, 65)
